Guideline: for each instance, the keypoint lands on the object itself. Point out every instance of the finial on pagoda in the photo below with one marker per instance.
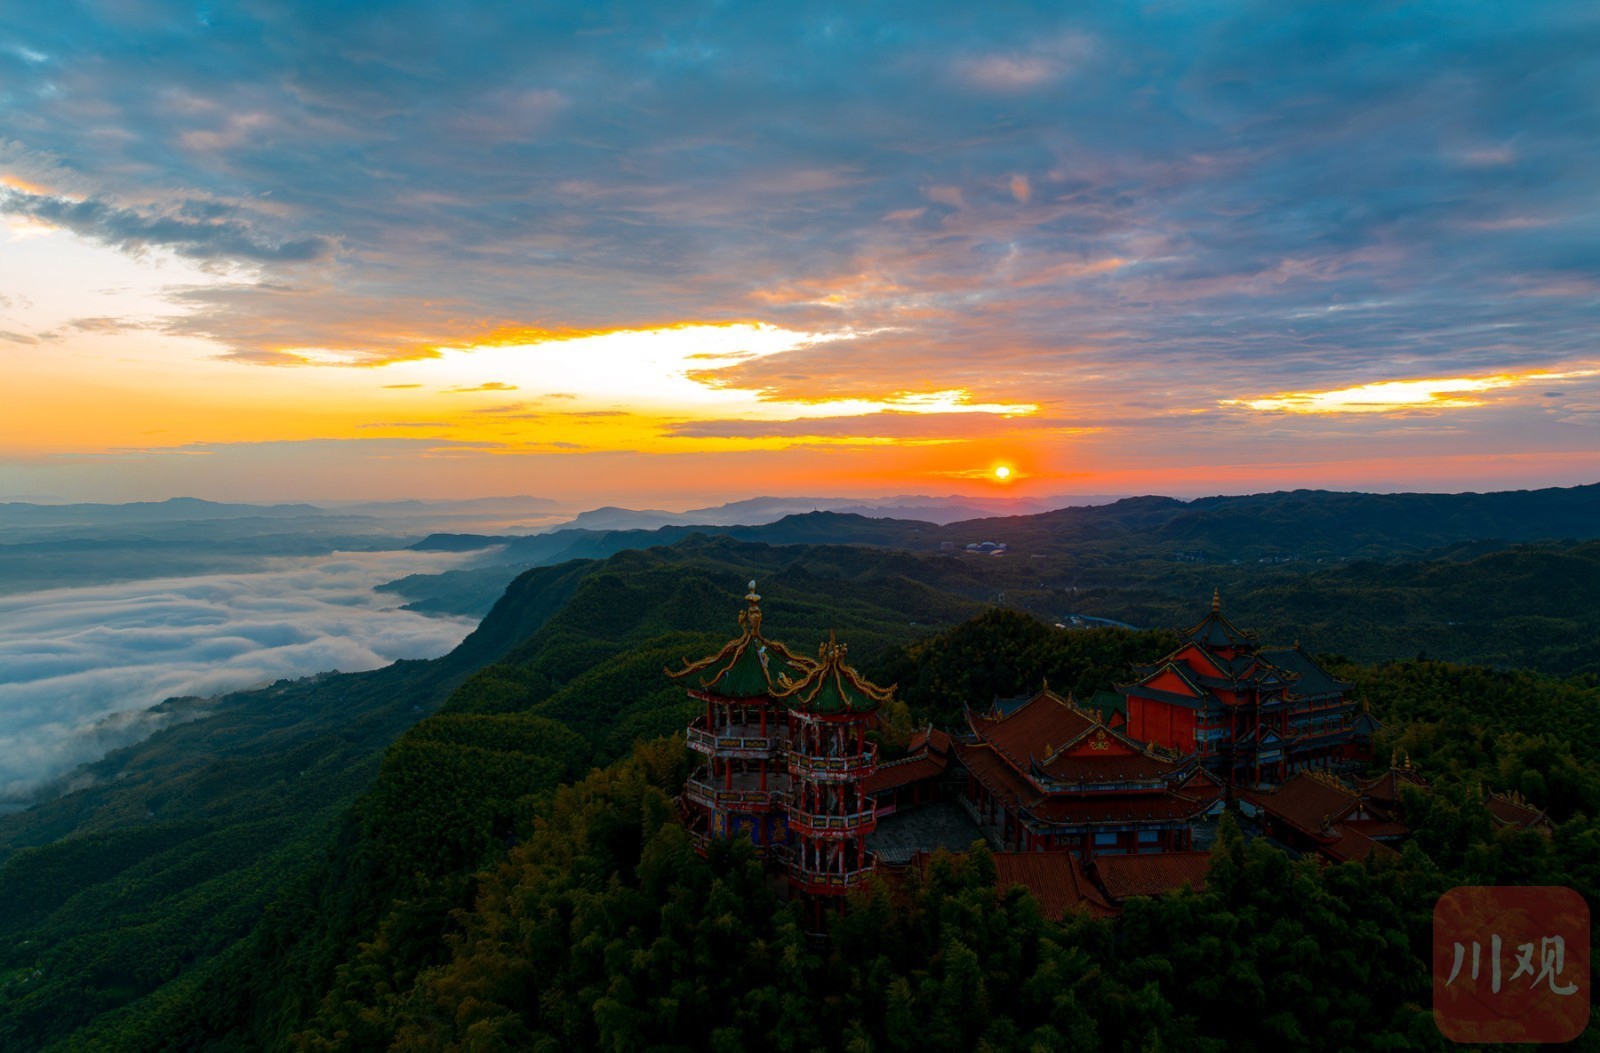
(1216, 601)
(750, 617)
(1046, 684)
(1394, 758)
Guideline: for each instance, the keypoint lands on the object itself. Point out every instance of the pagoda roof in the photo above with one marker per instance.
(749, 665)
(1055, 879)
(831, 686)
(1309, 677)
(1215, 631)
(1150, 874)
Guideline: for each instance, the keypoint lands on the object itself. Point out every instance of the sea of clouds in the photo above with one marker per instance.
(79, 668)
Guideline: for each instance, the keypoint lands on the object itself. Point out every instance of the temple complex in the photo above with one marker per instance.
(1254, 716)
(1048, 775)
(1085, 804)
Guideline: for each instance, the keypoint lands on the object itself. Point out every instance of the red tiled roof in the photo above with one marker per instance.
(1514, 813)
(1073, 810)
(1385, 788)
(1353, 846)
(997, 776)
(1044, 721)
(1377, 829)
(904, 773)
(1055, 879)
(932, 737)
(1200, 783)
(1307, 803)
(1151, 874)
(1124, 768)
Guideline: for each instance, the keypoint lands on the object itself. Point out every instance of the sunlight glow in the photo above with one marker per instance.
(686, 369)
(1393, 396)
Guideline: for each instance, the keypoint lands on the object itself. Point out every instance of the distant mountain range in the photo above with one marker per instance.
(1080, 545)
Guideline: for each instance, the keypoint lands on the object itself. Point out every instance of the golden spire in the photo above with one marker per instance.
(751, 617)
(1216, 601)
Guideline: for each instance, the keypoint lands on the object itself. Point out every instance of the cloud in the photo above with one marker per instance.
(936, 427)
(201, 230)
(79, 667)
(1401, 396)
(1088, 205)
(493, 385)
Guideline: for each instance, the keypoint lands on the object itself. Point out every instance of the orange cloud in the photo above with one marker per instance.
(1400, 396)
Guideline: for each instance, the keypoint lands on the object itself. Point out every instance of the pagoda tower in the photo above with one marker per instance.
(830, 815)
(741, 789)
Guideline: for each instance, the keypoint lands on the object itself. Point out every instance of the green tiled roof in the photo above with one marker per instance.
(749, 665)
(831, 686)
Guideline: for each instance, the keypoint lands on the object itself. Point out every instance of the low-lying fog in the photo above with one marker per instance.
(79, 666)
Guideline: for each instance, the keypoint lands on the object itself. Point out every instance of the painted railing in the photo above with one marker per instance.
(843, 825)
(819, 881)
(705, 742)
(849, 766)
(709, 794)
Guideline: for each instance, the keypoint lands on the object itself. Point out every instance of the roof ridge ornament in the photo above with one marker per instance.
(1216, 600)
(750, 617)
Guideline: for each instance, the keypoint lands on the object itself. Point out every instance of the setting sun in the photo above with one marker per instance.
(1002, 473)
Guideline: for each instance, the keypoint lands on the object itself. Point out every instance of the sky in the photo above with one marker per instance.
(673, 253)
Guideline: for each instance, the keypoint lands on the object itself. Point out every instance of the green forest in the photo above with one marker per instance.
(482, 853)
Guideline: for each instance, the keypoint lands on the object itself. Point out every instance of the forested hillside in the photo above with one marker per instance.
(1502, 579)
(509, 873)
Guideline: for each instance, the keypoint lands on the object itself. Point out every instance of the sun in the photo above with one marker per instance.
(1002, 472)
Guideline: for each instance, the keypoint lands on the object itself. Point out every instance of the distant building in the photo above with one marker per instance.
(1254, 715)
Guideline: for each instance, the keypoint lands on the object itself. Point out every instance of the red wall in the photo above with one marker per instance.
(1166, 725)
